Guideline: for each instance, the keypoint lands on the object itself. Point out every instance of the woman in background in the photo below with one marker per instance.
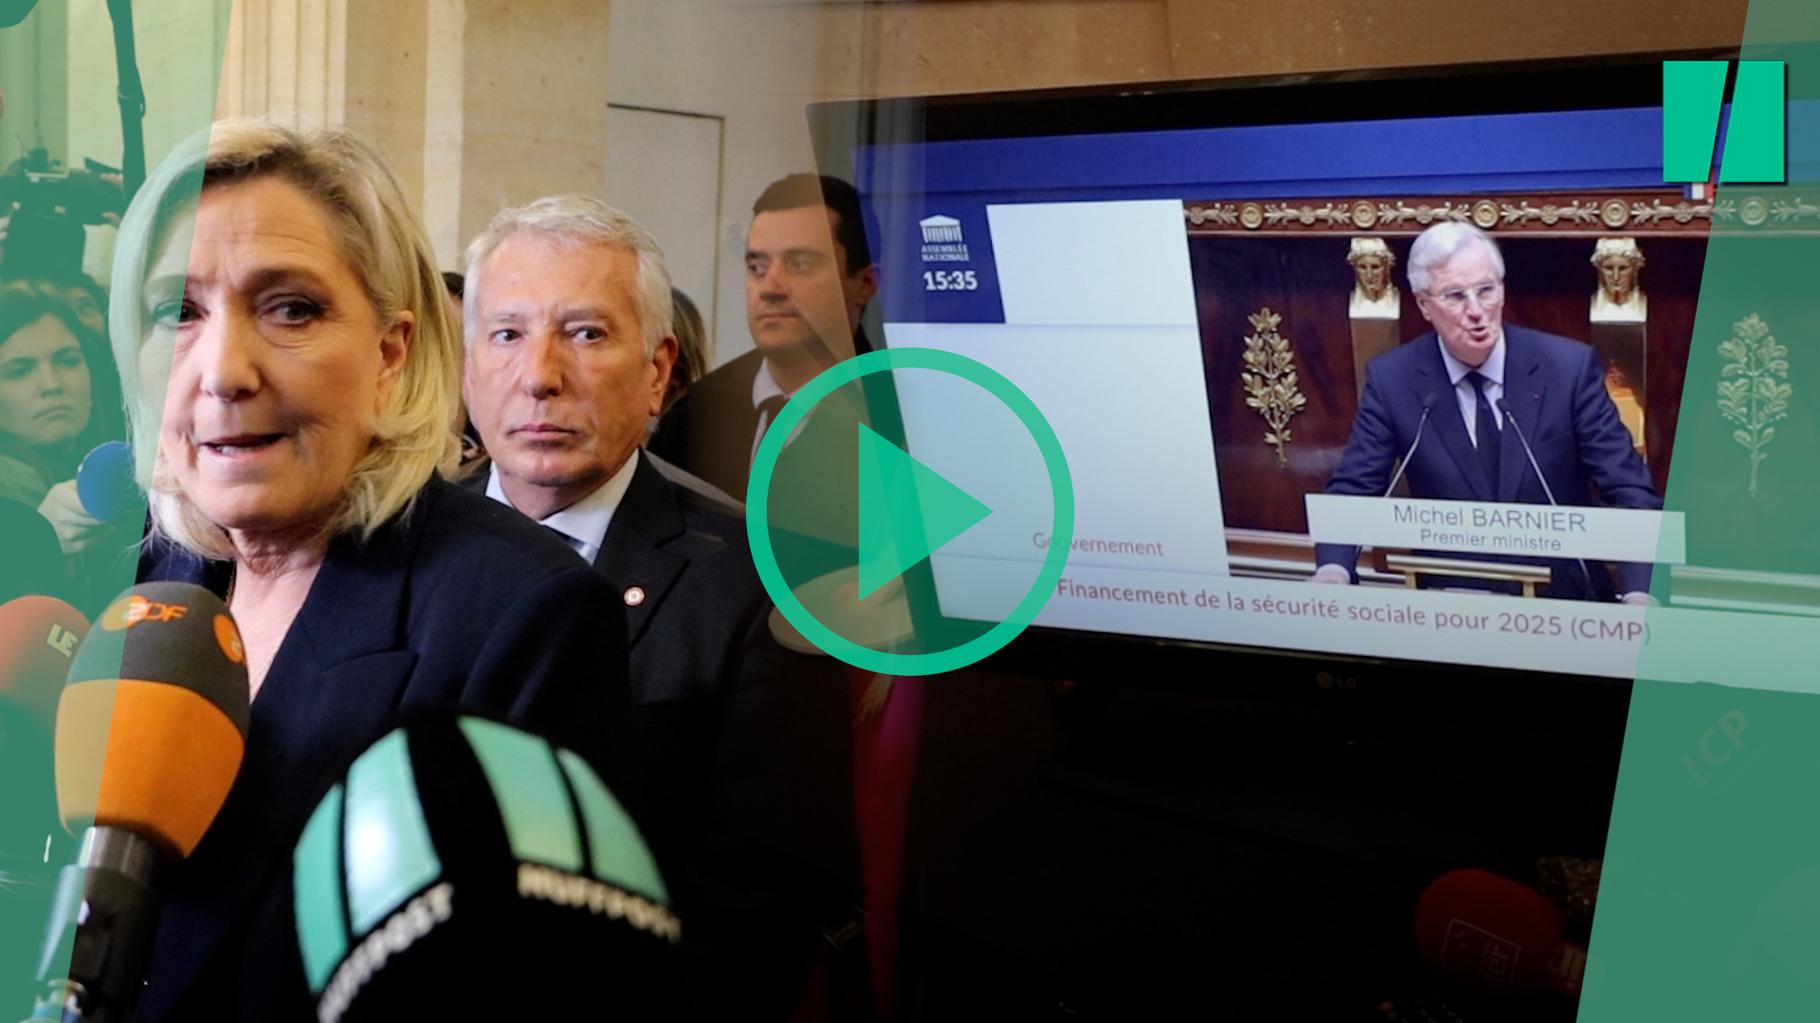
(58, 399)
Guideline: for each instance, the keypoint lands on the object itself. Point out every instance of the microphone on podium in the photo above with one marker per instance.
(1428, 405)
(38, 638)
(466, 869)
(1491, 932)
(1547, 491)
(150, 732)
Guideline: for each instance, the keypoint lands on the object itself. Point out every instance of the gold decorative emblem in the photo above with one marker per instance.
(1541, 213)
(1421, 213)
(1753, 211)
(1751, 391)
(1551, 213)
(1332, 214)
(1224, 213)
(1270, 380)
(1680, 212)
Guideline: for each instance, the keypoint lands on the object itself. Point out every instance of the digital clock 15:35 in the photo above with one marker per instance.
(951, 280)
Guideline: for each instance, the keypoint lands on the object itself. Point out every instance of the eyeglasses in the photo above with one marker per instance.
(1486, 294)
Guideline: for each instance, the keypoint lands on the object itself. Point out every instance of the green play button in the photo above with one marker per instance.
(908, 564)
(907, 511)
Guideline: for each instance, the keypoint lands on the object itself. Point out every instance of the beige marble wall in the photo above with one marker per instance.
(895, 49)
(533, 103)
(476, 103)
(1219, 38)
(918, 49)
(381, 91)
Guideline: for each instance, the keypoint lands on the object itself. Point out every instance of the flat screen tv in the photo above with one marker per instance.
(1205, 288)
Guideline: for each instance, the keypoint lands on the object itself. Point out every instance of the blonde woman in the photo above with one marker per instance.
(286, 346)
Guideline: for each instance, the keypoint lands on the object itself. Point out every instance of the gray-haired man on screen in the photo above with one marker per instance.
(1479, 388)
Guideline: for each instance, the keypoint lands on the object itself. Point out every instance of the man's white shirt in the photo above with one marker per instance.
(584, 523)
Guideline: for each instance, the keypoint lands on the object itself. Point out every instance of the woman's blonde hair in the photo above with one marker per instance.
(386, 248)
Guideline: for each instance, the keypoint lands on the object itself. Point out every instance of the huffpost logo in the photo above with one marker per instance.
(1693, 92)
(370, 881)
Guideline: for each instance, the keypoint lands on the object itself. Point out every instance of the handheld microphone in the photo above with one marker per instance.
(1490, 931)
(467, 870)
(105, 484)
(1530, 453)
(150, 733)
(1428, 404)
(38, 639)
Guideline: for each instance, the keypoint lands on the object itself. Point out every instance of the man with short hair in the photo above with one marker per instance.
(567, 313)
(1468, 378)
(569, 350)
(809, 277)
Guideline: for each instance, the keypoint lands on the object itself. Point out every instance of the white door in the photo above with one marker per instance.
(664, 168)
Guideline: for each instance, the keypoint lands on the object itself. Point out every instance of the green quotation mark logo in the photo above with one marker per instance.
(1755, 145)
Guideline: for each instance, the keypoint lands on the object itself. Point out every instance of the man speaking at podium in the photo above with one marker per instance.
(1480, 392)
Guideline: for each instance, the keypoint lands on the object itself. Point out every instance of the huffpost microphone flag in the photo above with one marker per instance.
(1709, 906)
(59, 109)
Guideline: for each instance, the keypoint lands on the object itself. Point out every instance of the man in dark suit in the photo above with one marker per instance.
(809, 276)
(1455, 376)
(569, 350)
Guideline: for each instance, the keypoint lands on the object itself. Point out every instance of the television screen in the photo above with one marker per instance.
(1273, 432)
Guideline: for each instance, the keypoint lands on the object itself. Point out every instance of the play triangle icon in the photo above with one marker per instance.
(907, 511)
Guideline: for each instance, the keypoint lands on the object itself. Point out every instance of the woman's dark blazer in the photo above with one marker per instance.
(463, 604)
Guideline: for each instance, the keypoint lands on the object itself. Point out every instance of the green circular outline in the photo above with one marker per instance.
(758, 518)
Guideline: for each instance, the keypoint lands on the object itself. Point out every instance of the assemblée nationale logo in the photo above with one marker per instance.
(942, 241)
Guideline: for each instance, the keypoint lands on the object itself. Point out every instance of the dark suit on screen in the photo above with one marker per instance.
(1555, 388)
(459, 605)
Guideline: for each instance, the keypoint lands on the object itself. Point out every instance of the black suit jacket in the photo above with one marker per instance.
(698, 622)
(741, 749)
(460, 605)
(711, 429)
(1555, 388)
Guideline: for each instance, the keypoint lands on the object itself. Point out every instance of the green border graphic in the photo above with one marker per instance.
(758, 519)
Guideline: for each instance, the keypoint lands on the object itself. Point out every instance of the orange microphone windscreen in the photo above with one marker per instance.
(152, 724)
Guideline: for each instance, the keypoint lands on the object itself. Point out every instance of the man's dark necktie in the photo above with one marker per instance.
(567, 540)
(767, 414)
(1486, 432)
